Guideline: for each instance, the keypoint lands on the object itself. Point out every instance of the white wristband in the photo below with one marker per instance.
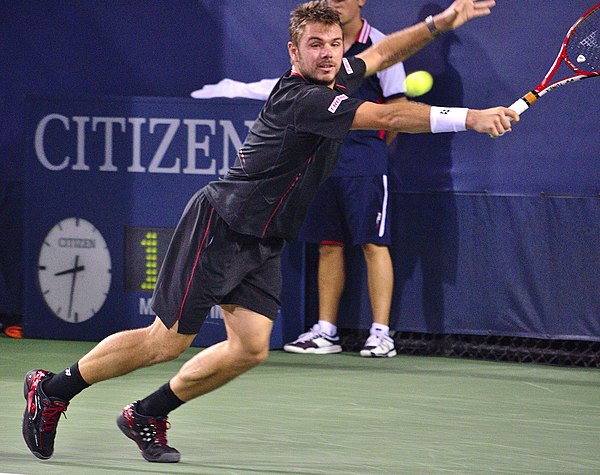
(448, 119)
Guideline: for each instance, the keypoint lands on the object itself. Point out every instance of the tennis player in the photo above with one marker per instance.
(227, 246)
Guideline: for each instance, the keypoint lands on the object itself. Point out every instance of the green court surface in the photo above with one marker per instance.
(329, 414)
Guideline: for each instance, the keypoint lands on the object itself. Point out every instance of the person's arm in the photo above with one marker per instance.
(414, 117)
(390, 135)
(402, 44)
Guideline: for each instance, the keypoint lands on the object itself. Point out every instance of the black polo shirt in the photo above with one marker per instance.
(290, 150)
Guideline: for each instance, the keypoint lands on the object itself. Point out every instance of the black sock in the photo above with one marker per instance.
(159, 403)
(65, 385)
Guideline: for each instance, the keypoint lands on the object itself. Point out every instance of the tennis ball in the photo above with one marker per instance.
(418, 83)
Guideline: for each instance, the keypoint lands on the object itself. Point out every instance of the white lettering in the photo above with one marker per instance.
(108, 139)
(347, 66)
(215, 313)
(172, 126)
(146, 157)
(144, 306)
(194, 145)
(136, 145)
(230, 135)
(336, 102)
(39, 142)
(80, 164)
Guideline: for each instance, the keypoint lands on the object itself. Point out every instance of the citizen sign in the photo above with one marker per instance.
(77, 243)
(164, 132)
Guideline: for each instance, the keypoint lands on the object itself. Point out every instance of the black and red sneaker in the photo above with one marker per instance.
(149, 433)
(41, 414)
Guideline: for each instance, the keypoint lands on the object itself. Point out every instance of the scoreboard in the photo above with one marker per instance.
(145, 249)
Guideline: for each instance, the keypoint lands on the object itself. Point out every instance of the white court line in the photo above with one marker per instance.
(531, 384)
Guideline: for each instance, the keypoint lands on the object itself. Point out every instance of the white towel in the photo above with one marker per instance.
(229, 88)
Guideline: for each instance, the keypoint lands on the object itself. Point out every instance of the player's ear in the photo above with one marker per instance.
(293, 51)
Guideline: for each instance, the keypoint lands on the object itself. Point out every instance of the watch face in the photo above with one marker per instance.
(74, 270)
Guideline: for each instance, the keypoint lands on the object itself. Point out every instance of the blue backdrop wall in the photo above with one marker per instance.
(492, 235)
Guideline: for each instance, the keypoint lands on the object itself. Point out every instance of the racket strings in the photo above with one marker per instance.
(583, 48)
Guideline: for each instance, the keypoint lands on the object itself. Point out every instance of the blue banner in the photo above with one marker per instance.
(107, 179)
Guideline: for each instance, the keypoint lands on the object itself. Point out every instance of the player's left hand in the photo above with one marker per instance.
(461, 11)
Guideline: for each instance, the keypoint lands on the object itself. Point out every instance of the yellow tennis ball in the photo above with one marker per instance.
(418, 83)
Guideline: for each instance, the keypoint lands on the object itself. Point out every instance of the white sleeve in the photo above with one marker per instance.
(392, 78)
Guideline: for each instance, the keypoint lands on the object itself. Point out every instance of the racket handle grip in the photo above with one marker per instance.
(519, 106)
(525, 102)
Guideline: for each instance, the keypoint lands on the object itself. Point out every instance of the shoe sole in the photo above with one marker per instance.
(368, 354)
(164, 458)
(26, 416)
(313, 351)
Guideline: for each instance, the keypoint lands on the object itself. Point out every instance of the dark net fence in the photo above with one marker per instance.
(487, 347)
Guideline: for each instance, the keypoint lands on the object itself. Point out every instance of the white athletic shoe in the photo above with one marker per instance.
(315, 342)
(378, 345)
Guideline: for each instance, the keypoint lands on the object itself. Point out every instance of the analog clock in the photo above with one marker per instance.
(74, 270)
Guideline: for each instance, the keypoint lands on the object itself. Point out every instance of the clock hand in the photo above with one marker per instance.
(73, 270)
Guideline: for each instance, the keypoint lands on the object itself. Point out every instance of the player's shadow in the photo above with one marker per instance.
(425, 226)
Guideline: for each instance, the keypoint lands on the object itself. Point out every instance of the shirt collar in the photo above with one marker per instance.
(363, 34)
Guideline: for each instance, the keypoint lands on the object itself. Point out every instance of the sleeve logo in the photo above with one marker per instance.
(336, 102)
(347, 66)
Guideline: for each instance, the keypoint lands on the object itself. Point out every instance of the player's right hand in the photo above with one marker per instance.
(494, 122)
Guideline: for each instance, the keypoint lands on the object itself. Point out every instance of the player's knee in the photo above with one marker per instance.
(371, 250)
(330, 250)
(166, 349)
(250, 356)
(172, 351)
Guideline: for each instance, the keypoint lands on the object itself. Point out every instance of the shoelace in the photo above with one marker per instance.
(374, 340)
(51, 415)
(309, 335)
(159, 430)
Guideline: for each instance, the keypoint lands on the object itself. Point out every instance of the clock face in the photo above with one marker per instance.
(74, 270)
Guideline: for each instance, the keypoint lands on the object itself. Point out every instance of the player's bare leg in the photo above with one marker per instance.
(331, 279)
(127, 351)
(247, 345)
(322, 337)
(48, 395)
(380, 276)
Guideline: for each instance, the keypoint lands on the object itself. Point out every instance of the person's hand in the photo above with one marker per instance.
(460, 12)
(494, 122)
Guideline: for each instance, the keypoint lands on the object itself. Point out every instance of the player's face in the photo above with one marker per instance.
(349, 10)
(318, 56)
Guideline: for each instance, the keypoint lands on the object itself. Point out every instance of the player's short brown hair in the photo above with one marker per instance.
(315, 11)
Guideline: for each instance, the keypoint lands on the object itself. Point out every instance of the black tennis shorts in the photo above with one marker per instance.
(209, 264)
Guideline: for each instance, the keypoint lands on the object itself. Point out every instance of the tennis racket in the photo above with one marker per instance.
(580, 51)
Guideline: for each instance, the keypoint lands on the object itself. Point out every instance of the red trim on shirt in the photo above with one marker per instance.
(331, 243)
(281, 200)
